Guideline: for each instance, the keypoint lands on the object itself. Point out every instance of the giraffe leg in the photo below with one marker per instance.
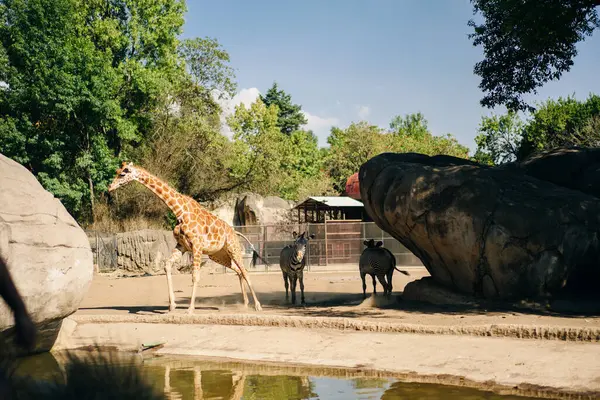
(168, 267)
(243, 288)
(195, 279)
(237, 259)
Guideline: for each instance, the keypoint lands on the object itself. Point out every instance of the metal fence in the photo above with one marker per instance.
(335, 242)
(337, 245)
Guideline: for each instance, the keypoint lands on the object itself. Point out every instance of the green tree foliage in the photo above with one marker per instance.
(555, 123)
(270, 162)
(208, 63)
(562, 122)
(498, 139)
(258, 147)
(353, 146)
(290, 116)
(411, 134)
(82, 79)
(527, 43)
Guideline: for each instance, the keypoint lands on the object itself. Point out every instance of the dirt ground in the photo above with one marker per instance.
(337, 294)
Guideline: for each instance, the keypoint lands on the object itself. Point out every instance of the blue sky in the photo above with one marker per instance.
(352, 60)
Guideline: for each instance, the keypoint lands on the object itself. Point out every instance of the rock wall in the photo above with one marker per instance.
(48, 254)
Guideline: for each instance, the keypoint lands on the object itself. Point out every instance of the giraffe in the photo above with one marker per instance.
(197, 231)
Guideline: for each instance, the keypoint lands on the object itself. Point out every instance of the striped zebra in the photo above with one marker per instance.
(292, 261)
(379, 262)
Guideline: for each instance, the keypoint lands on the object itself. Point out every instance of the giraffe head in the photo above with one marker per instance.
(371, 243)
(300, 243)
(125, 174)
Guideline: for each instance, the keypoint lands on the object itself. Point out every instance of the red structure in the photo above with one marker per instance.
(352, 187)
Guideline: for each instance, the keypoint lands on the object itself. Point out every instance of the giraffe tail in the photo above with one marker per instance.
(255, 255)
(402, 272)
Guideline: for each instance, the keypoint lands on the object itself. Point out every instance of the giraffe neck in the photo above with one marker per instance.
(171, 197)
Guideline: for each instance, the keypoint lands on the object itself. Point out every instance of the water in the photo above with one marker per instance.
(194, 379)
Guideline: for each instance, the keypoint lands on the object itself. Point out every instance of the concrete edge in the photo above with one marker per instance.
(574, 334)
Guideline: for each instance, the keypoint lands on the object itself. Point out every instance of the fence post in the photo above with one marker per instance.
(326, 248)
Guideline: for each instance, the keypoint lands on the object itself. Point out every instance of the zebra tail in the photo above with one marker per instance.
(402, 272)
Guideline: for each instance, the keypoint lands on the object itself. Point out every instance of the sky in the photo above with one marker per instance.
(351, 60)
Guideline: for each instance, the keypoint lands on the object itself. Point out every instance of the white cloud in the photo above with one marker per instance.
(319, 125)
(363, 111)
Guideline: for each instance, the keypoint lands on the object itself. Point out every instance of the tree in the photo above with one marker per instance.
(411, 124)
(303, 168)
(258, 148)
(208, 64)
(290, 116)
(527, 43)
(352, 147)
(498, 139)
(83, 78)
(411, 134)
(562, 122)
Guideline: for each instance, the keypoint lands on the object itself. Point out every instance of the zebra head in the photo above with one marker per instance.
(300, 243)
(371, 244)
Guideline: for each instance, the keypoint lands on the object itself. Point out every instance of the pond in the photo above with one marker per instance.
(194, 379)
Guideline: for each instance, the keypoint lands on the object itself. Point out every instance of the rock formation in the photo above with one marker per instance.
(47, 253)
(517, 231)
(253, 209)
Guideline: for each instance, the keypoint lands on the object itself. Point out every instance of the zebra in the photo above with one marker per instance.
(379, 262)
(292, 260)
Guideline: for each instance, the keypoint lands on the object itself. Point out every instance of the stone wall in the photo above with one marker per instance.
(140, 252)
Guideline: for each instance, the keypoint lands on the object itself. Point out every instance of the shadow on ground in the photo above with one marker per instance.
(352, 305)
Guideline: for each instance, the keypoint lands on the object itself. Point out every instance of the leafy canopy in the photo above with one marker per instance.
(563, 122)
(527, 43)
(289, 116)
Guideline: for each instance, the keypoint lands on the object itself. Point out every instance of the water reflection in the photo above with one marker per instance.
(190, 378)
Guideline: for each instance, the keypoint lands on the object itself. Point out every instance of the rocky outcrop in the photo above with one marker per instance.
(253, 209)
(48, 254)
(490, 232)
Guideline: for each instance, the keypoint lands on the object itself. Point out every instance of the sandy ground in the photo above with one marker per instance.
(338, 329)
(327, 294)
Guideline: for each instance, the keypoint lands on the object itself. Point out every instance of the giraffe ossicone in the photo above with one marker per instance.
(198, 231)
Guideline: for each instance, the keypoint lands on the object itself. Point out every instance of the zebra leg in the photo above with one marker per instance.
(374, 285)
(362, 276)
(389, 280)
(381, 278)
(287, 285)
(302, 288)
(294, 281)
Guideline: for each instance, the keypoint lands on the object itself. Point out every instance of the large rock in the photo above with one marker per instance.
(253, 209)
(489, 232)
(48, 254)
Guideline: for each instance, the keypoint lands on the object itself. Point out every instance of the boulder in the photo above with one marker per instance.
(489, 232)
(253, 209)
(47, 253)
(576, 168)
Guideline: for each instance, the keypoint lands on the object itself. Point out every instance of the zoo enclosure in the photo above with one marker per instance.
(337, 245)
(336, 242)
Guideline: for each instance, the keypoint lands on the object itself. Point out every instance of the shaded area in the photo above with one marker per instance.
(495, 233)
